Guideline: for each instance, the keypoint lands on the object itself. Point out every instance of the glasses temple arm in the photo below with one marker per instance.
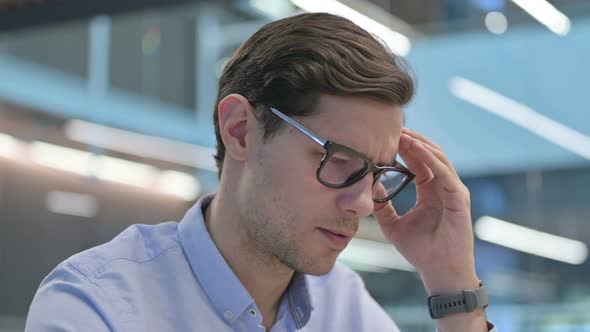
(318, 139)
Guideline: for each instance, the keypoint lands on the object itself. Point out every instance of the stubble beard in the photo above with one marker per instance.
(271, 230)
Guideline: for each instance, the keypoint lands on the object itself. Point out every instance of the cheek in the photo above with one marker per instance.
(289, 171)
(302, 184)
(292, 169)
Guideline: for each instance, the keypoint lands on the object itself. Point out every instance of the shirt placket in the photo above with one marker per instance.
(250, 320)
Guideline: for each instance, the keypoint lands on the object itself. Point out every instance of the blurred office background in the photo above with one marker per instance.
(105, 121)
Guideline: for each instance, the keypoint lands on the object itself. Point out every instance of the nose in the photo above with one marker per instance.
(356, 201)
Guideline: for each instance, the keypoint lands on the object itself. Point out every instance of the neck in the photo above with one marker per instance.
(263, 275)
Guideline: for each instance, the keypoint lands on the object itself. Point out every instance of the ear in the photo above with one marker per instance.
(236, 117)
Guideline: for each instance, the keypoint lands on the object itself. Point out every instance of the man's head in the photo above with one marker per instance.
(335, 79)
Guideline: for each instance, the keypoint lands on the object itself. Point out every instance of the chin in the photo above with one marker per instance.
(319, 268)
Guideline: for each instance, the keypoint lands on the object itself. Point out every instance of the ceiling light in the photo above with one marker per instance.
(8, 146)
(521, 115)
(546, 14)
(179, 184)
(531, 241)
(73, 204)
(107, 168)
(496, 23)
(141, 145)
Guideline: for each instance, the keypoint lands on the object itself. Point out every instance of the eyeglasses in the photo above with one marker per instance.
(342, 166)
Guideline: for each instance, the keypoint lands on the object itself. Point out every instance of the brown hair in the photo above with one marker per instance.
(288, 63)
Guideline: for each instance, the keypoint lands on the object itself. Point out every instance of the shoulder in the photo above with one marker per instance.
(136, 245)
(101, 284)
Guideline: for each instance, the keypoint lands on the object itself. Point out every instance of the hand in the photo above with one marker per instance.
(436, 235)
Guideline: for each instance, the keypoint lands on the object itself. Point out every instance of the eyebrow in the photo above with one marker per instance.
(320, 139)
(391, 163)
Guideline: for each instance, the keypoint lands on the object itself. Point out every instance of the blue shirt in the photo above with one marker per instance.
(171, 277)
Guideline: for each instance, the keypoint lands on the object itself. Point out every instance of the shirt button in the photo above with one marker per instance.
(252, 312)
(228, 314)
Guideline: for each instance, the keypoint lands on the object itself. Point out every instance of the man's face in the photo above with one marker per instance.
(287, 212)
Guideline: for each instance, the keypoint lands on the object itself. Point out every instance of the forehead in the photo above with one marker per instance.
(371, 127)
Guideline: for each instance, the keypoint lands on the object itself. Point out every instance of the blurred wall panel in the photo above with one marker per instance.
(34, 240)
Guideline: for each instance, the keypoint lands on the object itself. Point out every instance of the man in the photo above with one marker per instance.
(308, 123)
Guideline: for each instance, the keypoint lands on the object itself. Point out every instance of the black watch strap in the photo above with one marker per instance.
(468, 300)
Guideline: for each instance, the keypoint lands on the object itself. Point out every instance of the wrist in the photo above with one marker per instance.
(440, 283)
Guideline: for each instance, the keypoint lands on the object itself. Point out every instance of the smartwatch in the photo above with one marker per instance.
(466, 301)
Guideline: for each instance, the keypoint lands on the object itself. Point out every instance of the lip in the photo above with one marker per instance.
(338, 239)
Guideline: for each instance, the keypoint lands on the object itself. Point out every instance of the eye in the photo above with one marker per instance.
(317, 155)
(340, 161)
(341, 157)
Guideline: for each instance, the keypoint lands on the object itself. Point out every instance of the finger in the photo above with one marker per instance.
(421, 137)
(441, 172)
(413, 162)
(442, 157)
(380, 207)
(385, 213)
(433, 147)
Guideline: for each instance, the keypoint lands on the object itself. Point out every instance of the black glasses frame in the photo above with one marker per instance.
(332, 148)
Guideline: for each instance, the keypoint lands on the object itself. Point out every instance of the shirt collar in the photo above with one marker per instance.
(299, 300)
(219, 282)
